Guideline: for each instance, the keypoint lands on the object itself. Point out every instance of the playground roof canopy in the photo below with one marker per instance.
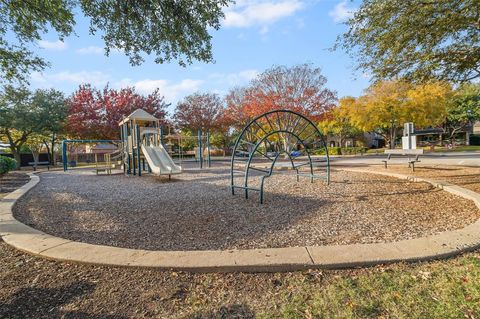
(139, 115)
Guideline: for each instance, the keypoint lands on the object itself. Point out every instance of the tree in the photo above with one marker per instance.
(386, 106)
(16, 119)
(416, 40)
(53, 119)
(27, 20)
(23, 114)
(300, 88)
(95, 114)
(169, 30)
(199, 112)
(238, 112)
(338, 122)
(464, 109)
(35, 143)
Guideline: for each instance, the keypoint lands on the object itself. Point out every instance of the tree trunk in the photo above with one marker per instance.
(48, 152)
(52, 149)
(16, 156)
(393, 136)
(36, 157)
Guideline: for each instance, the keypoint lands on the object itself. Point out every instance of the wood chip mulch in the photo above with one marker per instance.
(196, 211)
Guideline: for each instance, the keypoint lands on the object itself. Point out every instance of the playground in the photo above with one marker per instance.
(279, 203)
(277, 190)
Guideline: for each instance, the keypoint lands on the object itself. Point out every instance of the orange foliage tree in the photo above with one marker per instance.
(300, 88)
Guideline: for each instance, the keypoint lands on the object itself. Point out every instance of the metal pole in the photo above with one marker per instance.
(64, 156)
(161, 135)
(137, 133)
(122, 138)
(132, 134)
(200, 149)
(209, 160)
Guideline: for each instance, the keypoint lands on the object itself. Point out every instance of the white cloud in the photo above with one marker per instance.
(96, 78)
(341, 12)
(172, 91)
(90, 50)
(235, 78)
(261, 13)
(53, 45)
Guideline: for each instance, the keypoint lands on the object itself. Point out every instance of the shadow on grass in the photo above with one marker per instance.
(34, 302)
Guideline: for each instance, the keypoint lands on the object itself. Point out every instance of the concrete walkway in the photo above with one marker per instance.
(442, 245)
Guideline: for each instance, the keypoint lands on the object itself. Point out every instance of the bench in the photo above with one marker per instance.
(411, 162)
(35, 164)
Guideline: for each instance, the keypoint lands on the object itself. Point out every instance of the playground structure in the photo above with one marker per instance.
(88, 158)
(142, 141)
(143, 147)
(200, 154)
(267, 137)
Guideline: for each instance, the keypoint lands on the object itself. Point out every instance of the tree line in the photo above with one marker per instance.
(41, 118)
(386, 106)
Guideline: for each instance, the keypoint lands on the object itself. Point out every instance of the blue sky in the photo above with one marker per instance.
(255, 35)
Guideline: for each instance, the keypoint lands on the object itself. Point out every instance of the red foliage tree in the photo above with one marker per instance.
(95, 114)
(299, 88)
(200, 112)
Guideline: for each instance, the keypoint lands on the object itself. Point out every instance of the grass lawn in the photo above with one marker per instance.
(461, 148)
(31, 287)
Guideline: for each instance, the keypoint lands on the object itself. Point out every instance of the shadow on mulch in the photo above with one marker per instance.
(46, 302)
(11, 181)
(234, 311)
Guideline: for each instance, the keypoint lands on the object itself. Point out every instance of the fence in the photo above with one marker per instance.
(26, 158)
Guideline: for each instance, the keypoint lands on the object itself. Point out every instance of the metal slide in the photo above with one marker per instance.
(160, 161)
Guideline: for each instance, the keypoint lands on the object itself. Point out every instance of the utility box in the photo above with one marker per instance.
(408, 129)
(409, 142)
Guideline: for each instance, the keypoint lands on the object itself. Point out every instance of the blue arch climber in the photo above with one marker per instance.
(270, 137)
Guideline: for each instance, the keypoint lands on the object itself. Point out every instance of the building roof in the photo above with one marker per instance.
(139, 115)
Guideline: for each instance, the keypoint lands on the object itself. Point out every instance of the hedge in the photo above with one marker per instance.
(343, 151)
(6, 164)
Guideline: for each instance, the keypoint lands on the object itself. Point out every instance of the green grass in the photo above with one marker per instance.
(446, 289)
(461, 148)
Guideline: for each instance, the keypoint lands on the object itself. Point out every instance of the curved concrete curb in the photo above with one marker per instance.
(446, 244)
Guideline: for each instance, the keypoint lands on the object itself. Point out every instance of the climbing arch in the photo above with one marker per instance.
(278, 138)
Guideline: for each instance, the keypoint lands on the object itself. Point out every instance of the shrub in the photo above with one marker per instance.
(354, 150)
(6, 164)
(331, 151)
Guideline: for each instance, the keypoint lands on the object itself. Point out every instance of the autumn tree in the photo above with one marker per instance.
(416, 40)
(299, 88)
(199, 111)
(168, 30)
(95, 114)
(386, 106)
(238, 112)
(464, 109)
(338, 121)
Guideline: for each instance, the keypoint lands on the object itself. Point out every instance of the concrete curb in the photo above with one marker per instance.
(443, 245)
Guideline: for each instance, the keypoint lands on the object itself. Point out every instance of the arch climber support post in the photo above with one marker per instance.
(278, 138)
